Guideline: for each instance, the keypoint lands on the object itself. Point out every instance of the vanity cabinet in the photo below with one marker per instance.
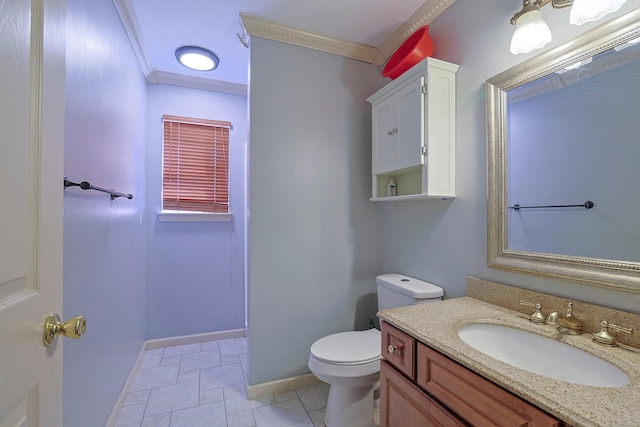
(413, 133)
(438, 391)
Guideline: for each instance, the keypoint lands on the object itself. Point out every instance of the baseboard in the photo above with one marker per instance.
(279, 386)
(160, 343)
(193, 339)
(115, 412)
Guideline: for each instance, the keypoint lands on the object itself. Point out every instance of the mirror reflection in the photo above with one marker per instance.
(563, 145)
(572, 152)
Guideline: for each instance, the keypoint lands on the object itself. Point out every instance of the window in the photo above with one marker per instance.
(195, 173)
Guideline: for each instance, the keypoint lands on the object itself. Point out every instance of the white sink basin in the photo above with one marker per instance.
(541, 355)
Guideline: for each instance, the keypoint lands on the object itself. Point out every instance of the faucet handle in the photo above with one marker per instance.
(605, 338)
(536, 316)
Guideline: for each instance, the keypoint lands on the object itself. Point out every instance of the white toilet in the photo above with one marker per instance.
(350, 361)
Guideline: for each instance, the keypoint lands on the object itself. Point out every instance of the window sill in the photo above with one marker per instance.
(193, 217)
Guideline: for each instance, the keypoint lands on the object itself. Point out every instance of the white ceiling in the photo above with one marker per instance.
(161, 26)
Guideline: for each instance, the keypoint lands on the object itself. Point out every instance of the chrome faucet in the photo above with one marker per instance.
(567, 323)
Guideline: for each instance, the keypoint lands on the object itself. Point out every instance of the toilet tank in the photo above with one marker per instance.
(398, 290)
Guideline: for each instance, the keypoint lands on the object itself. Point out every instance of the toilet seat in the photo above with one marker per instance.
(348, 348)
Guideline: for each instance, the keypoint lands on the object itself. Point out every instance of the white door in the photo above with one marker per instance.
(32, 64)
(410, 124)
(383, 135)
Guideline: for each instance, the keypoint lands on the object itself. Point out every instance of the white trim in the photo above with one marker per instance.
(193, 339)
(272, 387)
(160, 343)
(272, 31)
(127, 14)
(193, 217)
(163, 77)
(115, 412)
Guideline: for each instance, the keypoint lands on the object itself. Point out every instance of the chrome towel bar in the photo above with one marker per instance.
(87, 186)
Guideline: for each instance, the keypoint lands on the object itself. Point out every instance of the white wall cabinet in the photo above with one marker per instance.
(413, 133)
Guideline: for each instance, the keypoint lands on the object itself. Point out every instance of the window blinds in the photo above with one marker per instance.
(195, 174)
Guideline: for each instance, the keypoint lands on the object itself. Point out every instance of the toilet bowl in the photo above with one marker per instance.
(350, 361)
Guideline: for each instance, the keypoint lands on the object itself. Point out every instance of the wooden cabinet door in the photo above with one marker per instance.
(475, 399)
(399, 349)
(402, 404)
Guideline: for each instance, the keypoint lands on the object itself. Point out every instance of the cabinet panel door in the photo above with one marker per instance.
(473, 398)
(398, 349)
(402, 404)
(383, 136)
(410, 125)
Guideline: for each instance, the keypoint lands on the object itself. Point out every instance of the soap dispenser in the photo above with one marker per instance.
(391, 188)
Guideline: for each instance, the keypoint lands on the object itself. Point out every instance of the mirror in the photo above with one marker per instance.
(563, 134)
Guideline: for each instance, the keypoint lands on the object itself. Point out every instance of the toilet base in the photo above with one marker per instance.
(350, 406)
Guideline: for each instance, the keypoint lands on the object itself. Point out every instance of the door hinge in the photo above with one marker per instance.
(424, 150)
(424, 89)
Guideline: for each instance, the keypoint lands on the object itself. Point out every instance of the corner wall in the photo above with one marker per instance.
(104, 277)
(314, 235)
(443, 243)
(195, 270)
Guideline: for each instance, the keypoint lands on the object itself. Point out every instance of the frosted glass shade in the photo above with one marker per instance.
(591, 10)
(531, 33)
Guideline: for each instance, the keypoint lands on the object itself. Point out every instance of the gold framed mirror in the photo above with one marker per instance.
(533, 78)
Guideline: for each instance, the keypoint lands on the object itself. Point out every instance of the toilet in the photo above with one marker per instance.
(350, 361)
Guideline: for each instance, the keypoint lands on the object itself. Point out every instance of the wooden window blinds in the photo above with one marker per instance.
(195, 173)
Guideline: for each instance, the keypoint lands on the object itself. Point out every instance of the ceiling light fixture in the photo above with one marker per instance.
(197, 58)
(533, 33)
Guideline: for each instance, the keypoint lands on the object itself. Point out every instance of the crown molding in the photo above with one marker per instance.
(254, 26)
(162, 77)
(282, 33)
(427, 13)
(131, 26)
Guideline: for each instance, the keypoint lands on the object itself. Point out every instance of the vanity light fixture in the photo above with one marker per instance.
(197, 58)
(533, 33)
(531, 30)
(584, 11)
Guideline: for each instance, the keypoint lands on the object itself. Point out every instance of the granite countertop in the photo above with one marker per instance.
(436, 324)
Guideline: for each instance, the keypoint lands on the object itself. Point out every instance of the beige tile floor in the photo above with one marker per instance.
(203, 385)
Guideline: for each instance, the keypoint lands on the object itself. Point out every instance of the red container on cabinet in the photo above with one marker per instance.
(417, 47)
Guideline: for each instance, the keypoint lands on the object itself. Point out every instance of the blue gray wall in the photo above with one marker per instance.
(104, 277)
(195, 270)
(444, 242)
(314, 237)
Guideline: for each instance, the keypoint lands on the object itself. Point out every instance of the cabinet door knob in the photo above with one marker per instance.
(392, 349)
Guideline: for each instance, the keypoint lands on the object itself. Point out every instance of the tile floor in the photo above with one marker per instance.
(203, 385)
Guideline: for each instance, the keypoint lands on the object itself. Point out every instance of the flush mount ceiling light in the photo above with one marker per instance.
(533, 33)
(197, 58)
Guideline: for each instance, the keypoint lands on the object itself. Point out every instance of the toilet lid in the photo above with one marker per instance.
(348, 348)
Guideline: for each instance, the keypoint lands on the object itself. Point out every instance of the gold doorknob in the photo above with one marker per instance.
(392, 349)
(72, 328)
